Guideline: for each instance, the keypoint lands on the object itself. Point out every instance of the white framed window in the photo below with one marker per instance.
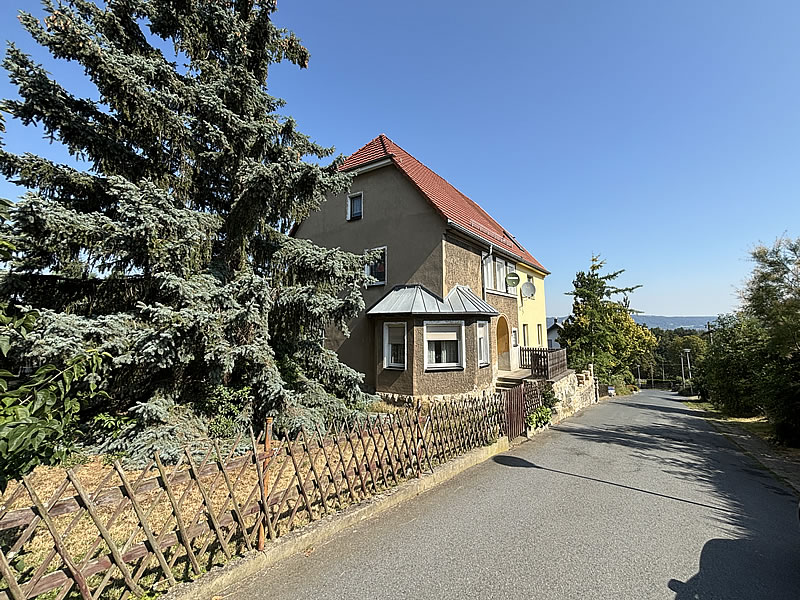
(495, 270)
(394, 346)
(500, 270)
(483, 343)
(514, 337)
(377, 268)
(355, 206)
(444, 344)
(525, 340)
(488, 273)
(539, 334)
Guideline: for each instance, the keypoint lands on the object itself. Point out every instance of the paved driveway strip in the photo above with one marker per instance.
(636, 498)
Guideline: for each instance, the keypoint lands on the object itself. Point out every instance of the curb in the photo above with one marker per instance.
(220, 578)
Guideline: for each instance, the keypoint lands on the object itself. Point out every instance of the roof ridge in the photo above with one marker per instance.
(450, 202)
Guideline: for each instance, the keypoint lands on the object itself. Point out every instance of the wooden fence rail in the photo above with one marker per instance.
(101, 531)
(547, 363)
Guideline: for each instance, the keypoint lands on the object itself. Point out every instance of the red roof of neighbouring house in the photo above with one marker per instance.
(451, 204)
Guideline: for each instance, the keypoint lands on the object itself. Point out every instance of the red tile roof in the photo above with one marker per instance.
(451, 204)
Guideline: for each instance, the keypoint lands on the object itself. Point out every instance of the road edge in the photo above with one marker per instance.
(220, 578)
(733, 433)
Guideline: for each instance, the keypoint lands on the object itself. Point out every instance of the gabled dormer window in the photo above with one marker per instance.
(355, 206)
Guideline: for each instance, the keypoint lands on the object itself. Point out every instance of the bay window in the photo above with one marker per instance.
(394, 346)
(483, 343)
(444, 344)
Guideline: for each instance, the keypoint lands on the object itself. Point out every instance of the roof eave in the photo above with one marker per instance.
(495, 246)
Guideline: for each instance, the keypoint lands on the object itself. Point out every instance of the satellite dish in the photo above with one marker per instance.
(528, 290)
(512, 279)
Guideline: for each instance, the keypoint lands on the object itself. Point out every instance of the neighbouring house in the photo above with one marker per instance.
(440, 317)
(552, 334)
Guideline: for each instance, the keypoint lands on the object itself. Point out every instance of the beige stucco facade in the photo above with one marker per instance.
(395, 216)
(421, 249)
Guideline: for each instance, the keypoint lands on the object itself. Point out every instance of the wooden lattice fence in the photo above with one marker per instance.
(101, 531)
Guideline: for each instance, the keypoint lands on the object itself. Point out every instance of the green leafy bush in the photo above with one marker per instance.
(539, 417)
(39, 413)
(549, 398)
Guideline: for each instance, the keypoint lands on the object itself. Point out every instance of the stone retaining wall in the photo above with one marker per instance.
(575, 391)
(406, 400)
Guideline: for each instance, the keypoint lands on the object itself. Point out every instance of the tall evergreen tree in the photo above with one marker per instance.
(171, 250)
(600, 329)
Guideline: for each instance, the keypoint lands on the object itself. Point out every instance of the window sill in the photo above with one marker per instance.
(499, 293)
(433, 369)
(395, 368)
(484, 365)
(369, 285)
(358, 218)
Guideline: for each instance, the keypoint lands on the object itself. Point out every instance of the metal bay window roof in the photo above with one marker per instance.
(417, 300)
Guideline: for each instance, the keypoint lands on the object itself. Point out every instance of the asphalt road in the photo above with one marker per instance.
(637, 498)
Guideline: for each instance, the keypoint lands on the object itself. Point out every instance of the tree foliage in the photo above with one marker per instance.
(754, 362)
(670, 353)
(600, 329)
(170, 252)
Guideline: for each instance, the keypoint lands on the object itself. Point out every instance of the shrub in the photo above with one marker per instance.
(539, 417)
(228, 411)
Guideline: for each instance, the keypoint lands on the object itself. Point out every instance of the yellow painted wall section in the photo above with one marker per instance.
(532, 311)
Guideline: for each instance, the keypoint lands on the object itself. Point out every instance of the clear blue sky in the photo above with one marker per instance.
(664, 136)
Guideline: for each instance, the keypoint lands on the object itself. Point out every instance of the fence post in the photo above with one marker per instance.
(265, 471)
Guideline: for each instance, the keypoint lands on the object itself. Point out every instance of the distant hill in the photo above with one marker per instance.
(662, 322)
(673, 322)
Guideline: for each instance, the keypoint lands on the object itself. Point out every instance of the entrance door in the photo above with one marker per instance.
(503, 345)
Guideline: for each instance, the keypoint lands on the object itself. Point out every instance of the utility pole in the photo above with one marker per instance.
(639, 375)
(651, 377)
(683, 374)
(689, 365)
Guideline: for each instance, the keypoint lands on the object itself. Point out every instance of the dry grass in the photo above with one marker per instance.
(32, 552)
(758, 426)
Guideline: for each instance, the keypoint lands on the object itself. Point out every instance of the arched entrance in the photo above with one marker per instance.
(503, 345)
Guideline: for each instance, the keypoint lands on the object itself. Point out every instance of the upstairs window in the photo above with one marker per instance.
(394, 346)
(500, 270)
(488, 273)
(378, 268)
(495, 270)
(355, 206)
(444, 345)
(483, 343)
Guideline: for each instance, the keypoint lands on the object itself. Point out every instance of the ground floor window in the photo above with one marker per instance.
(394, 345)
(525, 335)
(444, 344)
(483, 343)
(539, 334)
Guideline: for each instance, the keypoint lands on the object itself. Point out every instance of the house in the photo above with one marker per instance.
(441, 317)
(553, 331)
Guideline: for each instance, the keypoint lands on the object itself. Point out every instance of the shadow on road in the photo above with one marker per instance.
(514, 461)
(764, 559)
